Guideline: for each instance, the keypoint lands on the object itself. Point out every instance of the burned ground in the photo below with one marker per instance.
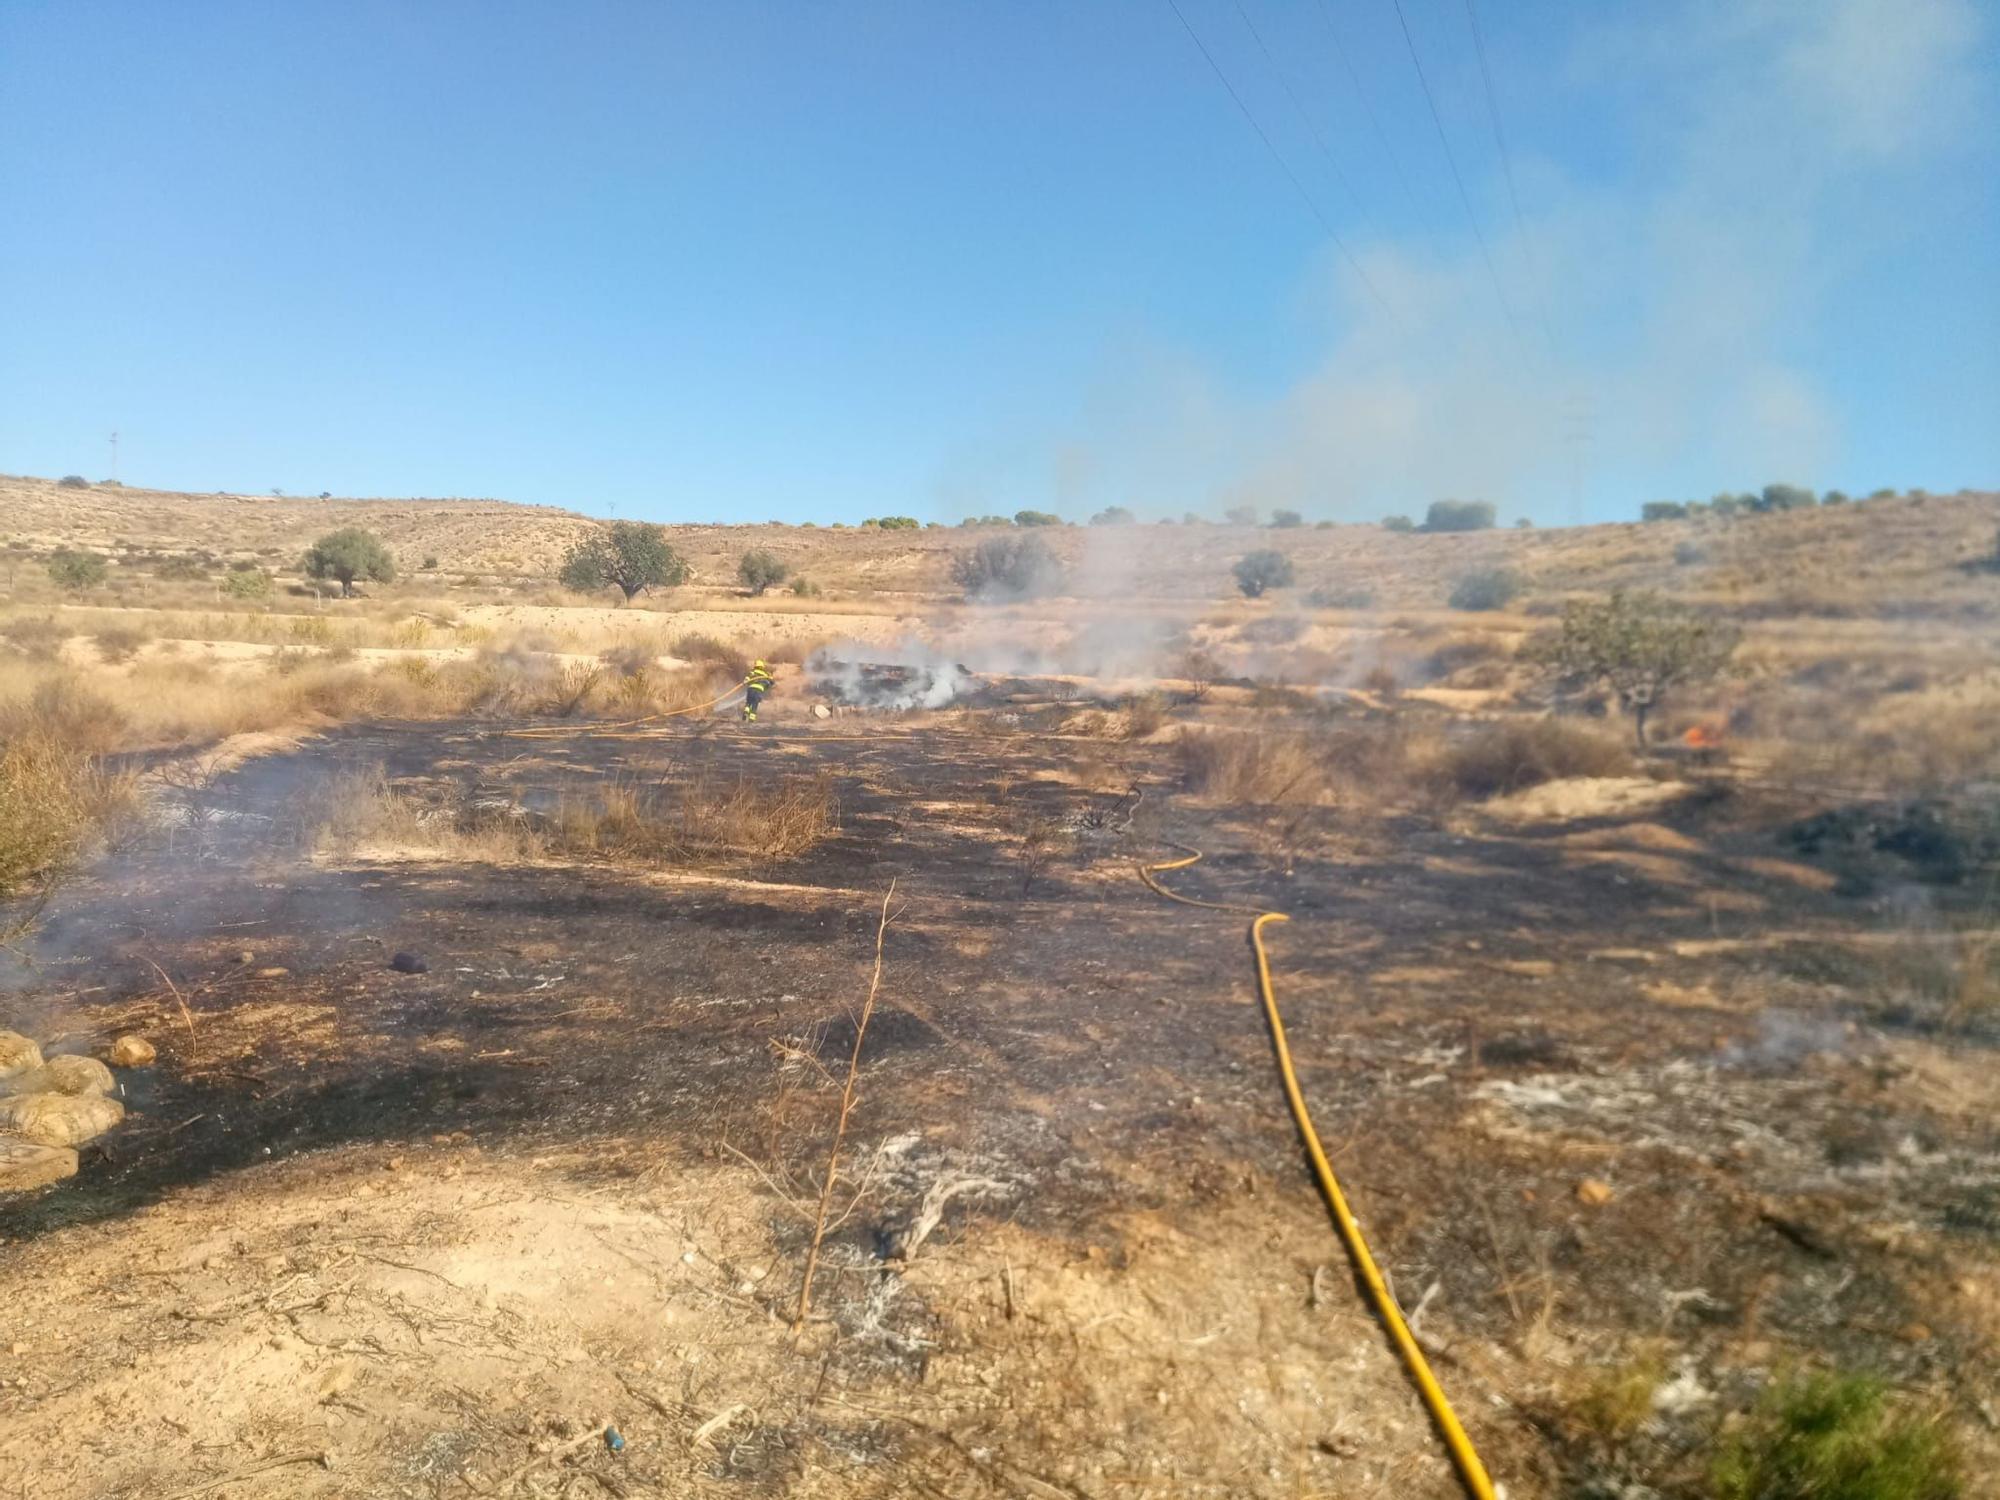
(1593, 1086)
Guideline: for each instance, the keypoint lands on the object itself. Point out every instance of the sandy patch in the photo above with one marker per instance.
(1579, 797)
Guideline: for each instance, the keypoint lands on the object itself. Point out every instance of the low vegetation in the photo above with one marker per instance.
(629, 821)
(56, 801)
(1837, 1437)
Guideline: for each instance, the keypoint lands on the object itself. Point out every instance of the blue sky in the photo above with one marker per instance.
(825, 261)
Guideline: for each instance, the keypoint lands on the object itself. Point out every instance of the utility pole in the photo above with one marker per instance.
(114, 457)
(1579, 418)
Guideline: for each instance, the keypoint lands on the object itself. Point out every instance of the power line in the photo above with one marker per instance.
(1291, 94)
(1464, 197)
(1299, 187)
(1507, 170)
(1374, 120)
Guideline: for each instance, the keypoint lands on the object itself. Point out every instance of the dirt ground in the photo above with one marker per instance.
(1602, 1085)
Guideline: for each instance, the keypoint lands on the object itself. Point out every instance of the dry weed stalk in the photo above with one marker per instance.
(846, 1108)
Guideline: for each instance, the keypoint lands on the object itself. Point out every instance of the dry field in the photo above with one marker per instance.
(1661, 1081)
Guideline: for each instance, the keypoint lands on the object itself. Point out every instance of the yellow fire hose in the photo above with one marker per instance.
(1470, 1469)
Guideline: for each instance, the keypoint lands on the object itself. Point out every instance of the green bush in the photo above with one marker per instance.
(1836, 1437)
(1263, 570)
(1485, 588)
(899, 523)
(1036, 518)
(1285, 520)
(246, 583)
(1398, 523)
(181, 569)
(1689, 554)
(760, 570)
(76, 571)
(1112, 515)
(1664, 510)
(1459, 515)
(1241, 515)
(805, 588)
(73, 482)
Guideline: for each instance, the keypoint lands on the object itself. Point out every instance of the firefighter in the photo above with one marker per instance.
(755, 686)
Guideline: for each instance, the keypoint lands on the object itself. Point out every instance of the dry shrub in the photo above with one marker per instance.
(119, 644)
(1253, 765)
(55, 801)
(62, 711)
(1278, 697)
(1145, 715)
(38, 639)
(1461, 651)
(1272, 630)
(706, 650)
(630, 661)
(356, 808)
(792, 653)
(1518, 753)
(653, 824)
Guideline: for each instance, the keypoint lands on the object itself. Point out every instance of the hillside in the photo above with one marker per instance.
(1911, 555)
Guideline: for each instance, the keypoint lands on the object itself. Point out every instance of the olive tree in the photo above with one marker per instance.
(348, 554)
(760, 570)
(1264, 569)
(1640, 646)
(631, 556)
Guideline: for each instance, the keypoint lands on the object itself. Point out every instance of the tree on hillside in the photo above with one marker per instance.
(1640, 646)
(76, 571)
(760, 570)
(1398, 523)
(1241, 515)
(1036, 518)
(1784, 497)
(72, 482)
(1261, 570)
(1664, 510)
(1459, 515)
(631, 556)
(1112, 515)
(1007, 567)
(348, 554)
(1285, 520)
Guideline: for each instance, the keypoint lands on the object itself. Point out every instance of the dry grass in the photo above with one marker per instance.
(55, 802)
(1519, 753)
(627, 821)
(1254, 765)
(707, 651)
